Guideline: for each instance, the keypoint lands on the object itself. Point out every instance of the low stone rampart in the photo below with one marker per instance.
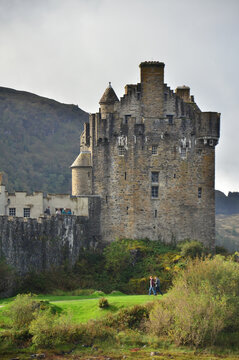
(40, 244)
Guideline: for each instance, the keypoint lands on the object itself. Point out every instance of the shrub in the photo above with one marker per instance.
(96, 332)
(49, 329)
(138, 286)
(131, 318)
(192, 249)
(103, 303)
(15, 337)
(23, 310)
(221, 250)
(203, 303)
(98, 293)
(117, 293)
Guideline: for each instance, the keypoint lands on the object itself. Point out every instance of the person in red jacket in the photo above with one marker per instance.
(151, 285)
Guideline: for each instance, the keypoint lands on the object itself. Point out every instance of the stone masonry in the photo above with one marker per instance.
(45, 243)
(150, 156)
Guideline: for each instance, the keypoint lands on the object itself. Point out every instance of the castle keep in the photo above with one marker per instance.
(150, 156)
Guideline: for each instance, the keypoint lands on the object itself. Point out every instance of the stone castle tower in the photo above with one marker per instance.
(150, 156)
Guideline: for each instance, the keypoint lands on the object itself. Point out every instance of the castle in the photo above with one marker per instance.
(145, 169)
(150, 157)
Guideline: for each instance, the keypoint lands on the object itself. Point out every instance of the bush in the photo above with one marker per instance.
(98, 293)
(49, 329)
(203, 303)
(192, 249)
(103, 303)
(131, 318)
(23, 310)
(15, 337)
(221, 250)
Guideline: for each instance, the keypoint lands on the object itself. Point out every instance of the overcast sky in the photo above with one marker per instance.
(69, 50)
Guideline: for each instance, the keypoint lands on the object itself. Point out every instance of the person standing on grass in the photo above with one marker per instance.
(157, 285)
(151, 285)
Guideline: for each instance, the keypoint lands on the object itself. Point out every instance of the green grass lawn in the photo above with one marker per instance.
(84, 308)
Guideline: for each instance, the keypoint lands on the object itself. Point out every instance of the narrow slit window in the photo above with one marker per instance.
(125, 175)
(170, 119)
(155, 213)
(199, 192)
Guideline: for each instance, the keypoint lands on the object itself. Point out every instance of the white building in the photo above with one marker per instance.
(22, 204)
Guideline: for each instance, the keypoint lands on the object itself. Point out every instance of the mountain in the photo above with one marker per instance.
(227, 231)
(39, 140)
(227, 220)
(227, 205)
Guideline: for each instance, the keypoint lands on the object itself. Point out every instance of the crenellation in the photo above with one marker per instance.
(154, 132)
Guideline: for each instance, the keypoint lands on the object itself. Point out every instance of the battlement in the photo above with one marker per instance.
(152, 64)
(152, 161)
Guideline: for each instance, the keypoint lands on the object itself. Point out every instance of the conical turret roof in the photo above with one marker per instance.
(109, 96)
(82, 160)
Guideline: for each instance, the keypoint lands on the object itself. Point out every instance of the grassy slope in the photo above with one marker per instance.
(84, 308)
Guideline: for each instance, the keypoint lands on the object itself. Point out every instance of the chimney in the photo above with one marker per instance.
(152, 88)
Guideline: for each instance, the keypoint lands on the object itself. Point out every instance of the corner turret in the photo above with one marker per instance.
(82, 174)
(107, 101)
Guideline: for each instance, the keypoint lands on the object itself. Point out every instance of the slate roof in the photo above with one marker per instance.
(109, 96)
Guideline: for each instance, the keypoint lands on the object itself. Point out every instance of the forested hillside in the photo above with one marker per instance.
(39, 140)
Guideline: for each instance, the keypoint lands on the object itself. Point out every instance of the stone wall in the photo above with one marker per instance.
(152, 129)
(40, 244)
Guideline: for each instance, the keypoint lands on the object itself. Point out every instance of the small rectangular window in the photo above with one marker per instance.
(12, 211)
(154, 191)
(26, 212)
(155, 213)
(121, 150)
(126, 118)
(199, 192)
(154, 150)
(165, 96)
(170, 119)
(125, 175)
(155, 177)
